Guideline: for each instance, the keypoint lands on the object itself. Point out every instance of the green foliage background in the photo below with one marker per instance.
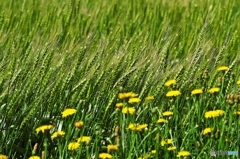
(81, 54)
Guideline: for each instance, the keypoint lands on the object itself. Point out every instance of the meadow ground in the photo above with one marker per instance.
(119, 79)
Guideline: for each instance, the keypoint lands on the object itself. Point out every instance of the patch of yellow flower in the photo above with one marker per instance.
(58, 134)
(183, 154)
(173, 93)
(68, 112)
(237, 112)
(32, 157)
(167, 113)
(222, 68)
(112, 148)
(214, 113)
(137, 127)
(170, 82)
(167, 141)
(127, 95)
(171, 148)
(197, 91)
(86, 139)
(148, 98)
(104, 156)
(214, 90)
(129, 110)
(119, 105)
(238, 82)
(43, 128)
(161, 120)
(73, 145)
(207, 130)
(134, 100)
(3, 156)
(79, 124)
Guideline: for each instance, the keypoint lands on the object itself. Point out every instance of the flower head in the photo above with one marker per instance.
(171, 148)
(86, 139)
(129, 110)
(167, 113)
(79, 124)
(134, 100)
(167, 141)
(104, 156)
(183, 153)
(32, 157)
(153, 151)
(112, 148)
(68, 112)
(58, 134)
(73, 145)
(222, 68)
(197, 91)
(173, 93)
(3, 156)
(127, 95)
(148, 98)
(214, 90)
(238, 82)
(119, 105)
(43, 128)
(207, 130)
(137, 127)
(214, 113)
(161, 120)
(170, 82)
(237, 112)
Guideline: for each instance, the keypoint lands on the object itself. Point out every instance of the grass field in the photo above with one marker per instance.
(135, 79)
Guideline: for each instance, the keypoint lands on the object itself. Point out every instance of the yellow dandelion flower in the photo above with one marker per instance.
(214, 113)
(32, 157)
(183, 153)
(237, 113)
(137, 127)
(207, 130)
(214, 90)
(134, 100)
(148, 98)
(79, 124)
(57, 134)
(167, 113)
(3, 156)
(126, 95)
(171, 148)
(173, 93)
(197, 91)
(132, 126)
(119, 105)
(170, 82)
(84, 139)
(112, 148)
(167, 141)
(141, 127)
(238, 82)
(73, 145)
(161, 120)
(222, 68)
(68, 112)
(43, 128)
(104, 156)
(153, 151)
(129, 110)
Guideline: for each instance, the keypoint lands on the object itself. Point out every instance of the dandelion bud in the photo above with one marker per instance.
(79, 124)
